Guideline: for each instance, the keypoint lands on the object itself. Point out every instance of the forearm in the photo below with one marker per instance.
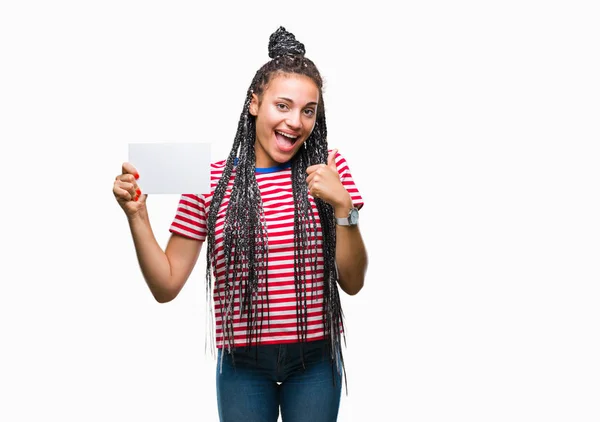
(350, 254)
(152, 259)
(351, 259)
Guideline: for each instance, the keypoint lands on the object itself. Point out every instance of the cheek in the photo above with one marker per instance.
(264, 126)
(311, 125)
(273, 117)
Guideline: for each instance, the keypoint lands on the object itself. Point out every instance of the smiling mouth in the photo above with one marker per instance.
(285, 141)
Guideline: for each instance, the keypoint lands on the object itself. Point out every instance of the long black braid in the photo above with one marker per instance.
(245, 242)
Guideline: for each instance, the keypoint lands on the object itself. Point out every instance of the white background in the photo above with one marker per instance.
(471, 129)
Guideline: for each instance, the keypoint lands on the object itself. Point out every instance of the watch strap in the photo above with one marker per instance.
(347, 221)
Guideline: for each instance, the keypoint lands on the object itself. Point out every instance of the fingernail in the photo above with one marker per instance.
(137, 176)
(139, 192)
(136, 198)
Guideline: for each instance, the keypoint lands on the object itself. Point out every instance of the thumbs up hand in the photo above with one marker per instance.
(324, 183)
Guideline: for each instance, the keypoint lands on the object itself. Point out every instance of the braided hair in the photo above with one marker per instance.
(245, 242)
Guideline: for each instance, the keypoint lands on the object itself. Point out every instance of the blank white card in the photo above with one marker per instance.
(172, 168)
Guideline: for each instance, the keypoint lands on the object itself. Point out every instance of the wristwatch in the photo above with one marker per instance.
(351, 220)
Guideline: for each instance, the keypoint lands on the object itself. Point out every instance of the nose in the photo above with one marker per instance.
(294, 121)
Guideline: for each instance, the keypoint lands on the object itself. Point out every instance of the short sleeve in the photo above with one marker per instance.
(190, 220)
(347, 181)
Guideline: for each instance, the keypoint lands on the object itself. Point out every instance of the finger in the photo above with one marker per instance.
(128, 168)
(128, 183)
(131, 188)
(312, 169)
(125, 185)
(122, 194)
(310, 177)
(130, 178)
(331, 159)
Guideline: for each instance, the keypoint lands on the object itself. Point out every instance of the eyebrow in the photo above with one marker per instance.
(312, 103)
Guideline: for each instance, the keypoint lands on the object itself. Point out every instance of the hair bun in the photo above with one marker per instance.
(283, 42)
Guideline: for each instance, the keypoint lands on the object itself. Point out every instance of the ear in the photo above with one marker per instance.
(253, 108)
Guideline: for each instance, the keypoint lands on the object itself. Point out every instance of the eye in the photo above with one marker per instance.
(309, 112)
(282, 106)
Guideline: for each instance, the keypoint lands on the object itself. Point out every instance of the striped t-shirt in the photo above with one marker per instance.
(275, 185)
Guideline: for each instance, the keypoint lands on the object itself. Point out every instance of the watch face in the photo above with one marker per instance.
(353, 217)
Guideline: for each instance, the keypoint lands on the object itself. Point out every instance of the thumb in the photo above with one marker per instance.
(143, 197)
(331, 159)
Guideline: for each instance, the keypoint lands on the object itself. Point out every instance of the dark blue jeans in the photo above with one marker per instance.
(249, 391)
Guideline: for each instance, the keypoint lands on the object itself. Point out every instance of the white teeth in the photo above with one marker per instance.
(286, 135)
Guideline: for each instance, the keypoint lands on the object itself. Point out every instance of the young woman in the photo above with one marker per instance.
(280, 224)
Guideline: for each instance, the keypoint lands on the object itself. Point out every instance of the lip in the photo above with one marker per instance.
(285, 148)
(297, 135)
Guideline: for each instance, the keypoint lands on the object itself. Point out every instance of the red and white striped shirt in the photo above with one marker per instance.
(275, 185)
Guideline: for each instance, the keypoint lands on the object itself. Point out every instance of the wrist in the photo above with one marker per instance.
(140, 217)
(342, 208)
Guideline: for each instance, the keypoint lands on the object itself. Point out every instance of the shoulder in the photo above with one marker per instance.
(218, 165)
(217, 168)
(340, 161)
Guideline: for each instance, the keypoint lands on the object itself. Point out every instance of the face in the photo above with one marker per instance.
(285, 117)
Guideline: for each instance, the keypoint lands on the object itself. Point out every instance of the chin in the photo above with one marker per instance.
(283, 157)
